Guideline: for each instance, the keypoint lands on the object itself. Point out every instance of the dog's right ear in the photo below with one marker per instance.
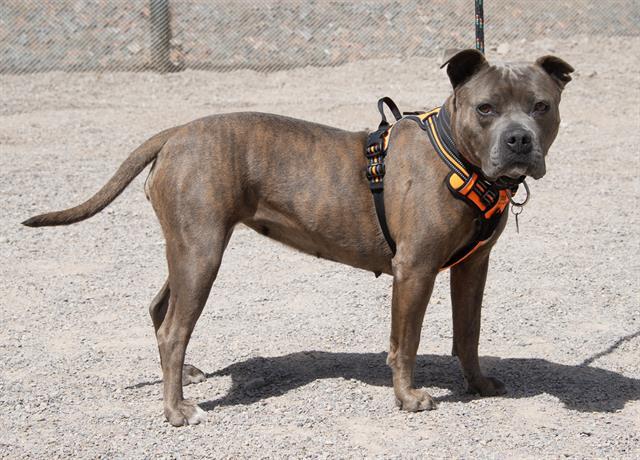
(557, 69)
(462, 65)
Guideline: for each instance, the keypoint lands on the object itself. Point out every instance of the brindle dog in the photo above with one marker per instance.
(303, 184)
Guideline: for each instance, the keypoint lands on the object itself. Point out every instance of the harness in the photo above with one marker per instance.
(466, 182)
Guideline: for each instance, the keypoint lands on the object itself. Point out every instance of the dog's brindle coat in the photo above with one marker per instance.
(303, 184)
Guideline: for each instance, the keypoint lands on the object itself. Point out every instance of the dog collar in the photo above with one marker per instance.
(465, 181)
(488, 199)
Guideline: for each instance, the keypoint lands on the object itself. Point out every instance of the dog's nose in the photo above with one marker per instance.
(518, 141)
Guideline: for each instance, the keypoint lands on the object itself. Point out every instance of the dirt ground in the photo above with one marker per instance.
(295, 347)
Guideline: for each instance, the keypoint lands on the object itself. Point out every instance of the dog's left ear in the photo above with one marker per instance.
(558, 69)
(462, 65)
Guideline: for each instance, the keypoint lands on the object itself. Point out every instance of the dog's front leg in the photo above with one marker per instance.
(411, 292)
(467, 288)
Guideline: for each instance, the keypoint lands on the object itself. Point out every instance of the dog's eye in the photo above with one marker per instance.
(485, 109)
(540, 107)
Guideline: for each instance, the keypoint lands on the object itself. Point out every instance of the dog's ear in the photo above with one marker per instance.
(462, 65)
(558, 69)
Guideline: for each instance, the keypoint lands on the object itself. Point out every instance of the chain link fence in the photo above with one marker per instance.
(170, 35)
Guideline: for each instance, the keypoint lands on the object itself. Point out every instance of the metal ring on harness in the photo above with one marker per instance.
(526, 200)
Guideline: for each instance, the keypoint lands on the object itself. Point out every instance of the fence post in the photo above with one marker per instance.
(160, 35)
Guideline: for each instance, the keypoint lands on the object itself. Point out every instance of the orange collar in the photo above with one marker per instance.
(488, 199)
(465, 182)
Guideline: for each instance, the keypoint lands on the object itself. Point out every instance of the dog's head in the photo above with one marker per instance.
(505, 116)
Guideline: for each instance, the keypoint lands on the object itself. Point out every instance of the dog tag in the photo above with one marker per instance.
(516, 211)
(516, 208)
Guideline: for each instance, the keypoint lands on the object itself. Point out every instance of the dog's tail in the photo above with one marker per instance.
(127, 171)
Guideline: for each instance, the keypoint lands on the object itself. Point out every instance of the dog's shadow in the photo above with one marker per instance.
(581, 387)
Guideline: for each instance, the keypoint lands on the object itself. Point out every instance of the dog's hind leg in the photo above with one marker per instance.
(158, 310)
(159, 304)
(194, 257)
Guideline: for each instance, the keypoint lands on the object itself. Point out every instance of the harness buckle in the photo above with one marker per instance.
(488, 197)
(375, 150)
(375, 172)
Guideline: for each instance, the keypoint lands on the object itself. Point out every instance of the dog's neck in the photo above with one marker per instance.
(446, 127)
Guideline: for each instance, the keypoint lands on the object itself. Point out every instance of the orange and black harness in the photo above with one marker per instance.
(488, 199)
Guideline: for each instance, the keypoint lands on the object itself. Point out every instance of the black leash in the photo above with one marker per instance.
(480, 25)
(516, 208)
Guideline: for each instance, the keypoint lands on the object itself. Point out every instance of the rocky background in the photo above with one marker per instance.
(273, 35)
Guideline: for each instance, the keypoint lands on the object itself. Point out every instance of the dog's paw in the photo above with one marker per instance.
(191, 374)
(415, 400)
(185, 413)
(485, 386)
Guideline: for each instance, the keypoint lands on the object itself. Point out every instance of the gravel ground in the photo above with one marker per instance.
(295, 347)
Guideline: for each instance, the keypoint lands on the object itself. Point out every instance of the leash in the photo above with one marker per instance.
(516, 208)
(480, 25)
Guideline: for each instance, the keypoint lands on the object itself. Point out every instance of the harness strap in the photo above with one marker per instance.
(378, 200)
(392, 106)
(377, 143)
(465, 182)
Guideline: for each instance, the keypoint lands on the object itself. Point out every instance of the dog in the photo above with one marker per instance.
(303, 184)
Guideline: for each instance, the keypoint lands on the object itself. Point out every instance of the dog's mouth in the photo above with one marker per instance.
(511, 175)
(509, 182)
(517, 169)
(514, 171)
